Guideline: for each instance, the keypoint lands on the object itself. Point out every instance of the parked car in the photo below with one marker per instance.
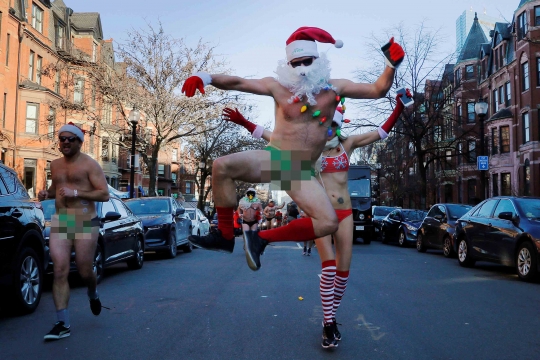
(22, 247)
(121, 236)
(166, 225)
(200, 224)
(401, 225)
(505, 230)
(438, 228)
(379, 213)
(214, 222)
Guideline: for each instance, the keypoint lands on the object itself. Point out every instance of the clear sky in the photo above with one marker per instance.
(251, 34)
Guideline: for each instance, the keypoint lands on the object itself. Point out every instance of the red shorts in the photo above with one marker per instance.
(342, 214)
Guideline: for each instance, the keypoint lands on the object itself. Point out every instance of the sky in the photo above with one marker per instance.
(250, 34)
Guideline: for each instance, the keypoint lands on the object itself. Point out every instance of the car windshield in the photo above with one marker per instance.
(360, 188)
(48, 208)
(414, 215)
(149, 207)
(530, 208)
(457, 211)
(191, 214)
(382, 211)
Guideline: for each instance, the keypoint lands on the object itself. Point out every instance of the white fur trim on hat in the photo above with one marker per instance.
(338, 44)
(205, 77)
(75, 130)
(301, 48)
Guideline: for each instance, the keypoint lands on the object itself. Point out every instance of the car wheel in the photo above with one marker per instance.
(137, 261)
(420, 243)
(173, 248)
(187, 248)
(526, 262)
(447, 247)
(402, 239)
(27, 282)
(464, 254)
(98, 263)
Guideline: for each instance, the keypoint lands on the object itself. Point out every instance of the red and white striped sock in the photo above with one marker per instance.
(340, 284)
(327, 289)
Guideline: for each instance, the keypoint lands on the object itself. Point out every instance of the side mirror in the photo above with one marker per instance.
(111, 216)
(180, 211)
(506, 215)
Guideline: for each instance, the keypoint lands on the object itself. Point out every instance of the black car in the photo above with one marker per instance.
(438, 228)
(401, 225)
(505, 230)
(379, 213)
(121, 236)
(22, 247)
(166, 225)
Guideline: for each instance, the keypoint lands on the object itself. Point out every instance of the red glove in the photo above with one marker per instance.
(389, 124)
(394, 53)
(192, 84)
(237, 118)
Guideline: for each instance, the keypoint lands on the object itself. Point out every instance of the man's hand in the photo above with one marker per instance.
(192, 84)
(43, 195)
(66, 192)
(394, 53)
(236, 117)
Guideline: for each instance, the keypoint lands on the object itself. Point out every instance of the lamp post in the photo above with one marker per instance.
(481, 109)
(134, 117)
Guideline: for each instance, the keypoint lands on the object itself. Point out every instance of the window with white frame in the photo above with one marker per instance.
(495, 101)
(32, 112)
(471, 148)
(525, 82)
(526, 127)
(39, 64)
(522, 27)
(471, 115)
(78, 91)
(52, 122)
(175, 155)
(31, 65)
(161, 170)
(37, 18)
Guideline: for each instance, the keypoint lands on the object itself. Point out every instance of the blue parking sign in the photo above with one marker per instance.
(482, 162)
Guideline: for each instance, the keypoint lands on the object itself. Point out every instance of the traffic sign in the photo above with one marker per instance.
(482, 162)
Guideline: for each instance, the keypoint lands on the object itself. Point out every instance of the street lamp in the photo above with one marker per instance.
(481, 109)
(134, 117)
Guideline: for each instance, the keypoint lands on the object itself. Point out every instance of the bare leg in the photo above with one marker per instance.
(85, 249)
(60, 250)
(343, 242)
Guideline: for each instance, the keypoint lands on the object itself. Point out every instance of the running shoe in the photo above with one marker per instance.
(254, 246)
(95, 306)
(309, 252)
(59, 331)
(337, 334)
(328, 340)
(213, 241)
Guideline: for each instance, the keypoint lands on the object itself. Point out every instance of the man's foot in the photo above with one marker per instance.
(254, 247)
(95, 306)
(309, 252)
(59, 331)
(304, 253)
(337, 334)
(213, 241)
(328, 340)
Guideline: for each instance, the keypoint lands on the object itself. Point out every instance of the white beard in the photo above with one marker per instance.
(305, 81)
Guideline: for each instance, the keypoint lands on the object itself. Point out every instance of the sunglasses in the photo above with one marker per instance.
(250, 193)
(68, 138)
(305, 62)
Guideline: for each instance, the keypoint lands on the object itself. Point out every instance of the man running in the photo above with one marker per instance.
(270, 213)
(77, 183)
(305, 98)
(250, 208)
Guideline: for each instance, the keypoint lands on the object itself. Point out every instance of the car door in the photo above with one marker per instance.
(394, 220)
(481, 229)
(504, 233)
(125, 229)
(111, 235)
(185, 221)
(442, 226)
(204, 224)
(429, 225)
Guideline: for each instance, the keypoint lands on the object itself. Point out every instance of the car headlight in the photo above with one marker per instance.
(361, 216)
(411, 228)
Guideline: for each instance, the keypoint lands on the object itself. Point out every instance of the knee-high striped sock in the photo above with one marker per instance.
(340, 284)
(327, 289)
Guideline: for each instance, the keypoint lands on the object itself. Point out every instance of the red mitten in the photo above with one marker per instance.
(389, 124)
(237, 118)
(394, 53)
(192, 84)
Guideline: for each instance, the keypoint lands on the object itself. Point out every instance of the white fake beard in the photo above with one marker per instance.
(305, 81)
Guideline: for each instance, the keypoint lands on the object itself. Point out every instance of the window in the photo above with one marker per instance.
(459, 152)
(494, 141)
(7, 48)
(188, 187)
(448, 159)
(508, 94)
(31, 66)
(538, 71)
(161, 170)
(107, 207)
(105, 148)
(471, 190)
(52, 121)
(469, 72)
(527, 178)
(437, 135)
(504, 136)
(526, 127)
(174, 154)
(113, 153)
(525, 76)
(501, 95)
(458, 77)
(94, 52)
(459, 114)
(57, 82)
(448, 128)
(505, 184)
(471, 147)
(32, 111)
(522, 26)
(495, 184)
(173, 177)
(504, 205)
(78, 91)
(4, 111)
(37, 18)
(471, 116)
(537, 15)
(107, 113)
(59, 31)
(495, 101)
(121, 208)
(38, 69)
(486, 209)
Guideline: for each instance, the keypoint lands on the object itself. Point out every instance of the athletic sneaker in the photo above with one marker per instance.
(59, 331)
(337, 334)
(95, 306)
(254, 246)
(309, 252)
(328, 340)
(213, 241)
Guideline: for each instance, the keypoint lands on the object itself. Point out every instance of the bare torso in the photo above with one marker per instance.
(249, 210)
(336, 183)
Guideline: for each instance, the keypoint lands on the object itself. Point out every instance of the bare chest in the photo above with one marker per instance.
(70, 175)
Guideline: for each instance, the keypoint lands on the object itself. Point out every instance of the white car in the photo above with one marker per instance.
(201, 225)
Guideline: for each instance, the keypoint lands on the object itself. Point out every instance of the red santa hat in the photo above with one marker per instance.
(74, 129)
(338, 116)
(302, 42)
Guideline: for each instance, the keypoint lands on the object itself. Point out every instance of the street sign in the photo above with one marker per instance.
(482, 162)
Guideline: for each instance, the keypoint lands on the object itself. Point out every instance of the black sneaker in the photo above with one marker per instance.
(309, 252)
(95, 306)
(254, 246)
(328, 340)
(213, 241)
(59, 331)
(337, 334)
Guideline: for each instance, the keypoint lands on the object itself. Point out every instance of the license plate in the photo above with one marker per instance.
(359, 228)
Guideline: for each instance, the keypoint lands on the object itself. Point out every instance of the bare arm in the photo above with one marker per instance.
(280, 207)
(98, 182)
(356, 141)
(254, 86)
(376, 90)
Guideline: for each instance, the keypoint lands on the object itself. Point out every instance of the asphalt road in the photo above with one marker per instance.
(399, 304)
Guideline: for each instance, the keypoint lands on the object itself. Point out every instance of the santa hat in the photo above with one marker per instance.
(302, 42)
(74, 129)
(338, 116)
(251, 190)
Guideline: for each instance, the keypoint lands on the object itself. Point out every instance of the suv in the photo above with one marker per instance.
(22, 248)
